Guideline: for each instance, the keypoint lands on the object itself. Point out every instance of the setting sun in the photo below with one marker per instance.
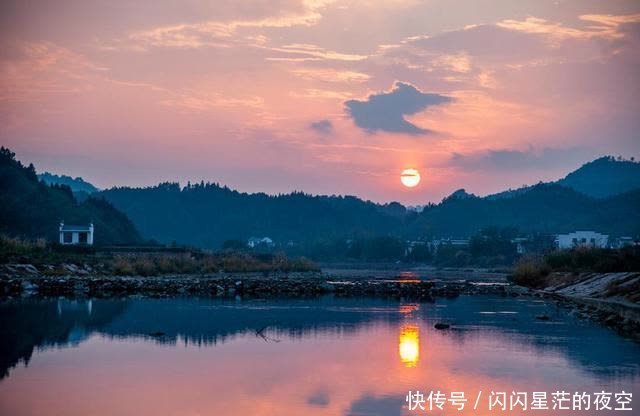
(410, 177)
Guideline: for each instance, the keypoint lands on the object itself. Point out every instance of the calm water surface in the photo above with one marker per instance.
(295, 357)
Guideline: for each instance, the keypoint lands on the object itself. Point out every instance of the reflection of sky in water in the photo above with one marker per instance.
(314, 357)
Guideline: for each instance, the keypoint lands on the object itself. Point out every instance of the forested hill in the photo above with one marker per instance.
(600, 178)
(30, 208)
(208, 214)
(76, 184)
(604, 177)
(542, 208)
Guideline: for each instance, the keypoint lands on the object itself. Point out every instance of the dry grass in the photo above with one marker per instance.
(159, 264)
(37, 252)
(531, 271)
(17, 244)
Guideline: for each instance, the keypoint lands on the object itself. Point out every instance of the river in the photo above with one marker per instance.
(325, 356)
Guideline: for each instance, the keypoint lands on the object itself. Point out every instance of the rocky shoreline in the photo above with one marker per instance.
(610, 299)
(251, 286)
(25, 281)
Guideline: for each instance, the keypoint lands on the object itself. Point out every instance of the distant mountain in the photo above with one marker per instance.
(542, 208)
(460, 194)
(509, 193)
(604, 177)
(600, 178)
(80, 188)
(30, 208)
(206, 215)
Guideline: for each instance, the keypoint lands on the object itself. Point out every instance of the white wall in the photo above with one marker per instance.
(582, 239)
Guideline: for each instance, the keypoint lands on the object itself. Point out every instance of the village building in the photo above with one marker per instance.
(254, 242)
(76, 234)
(521, 244)
(586, 239)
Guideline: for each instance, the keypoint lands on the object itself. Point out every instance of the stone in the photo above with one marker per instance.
(29, 287)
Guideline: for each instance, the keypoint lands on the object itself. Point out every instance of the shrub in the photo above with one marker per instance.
(531, 271)
(122, 266)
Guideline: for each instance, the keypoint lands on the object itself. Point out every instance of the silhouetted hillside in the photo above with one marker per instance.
(206, 215)
(30, 208)
(542, 208)
(76, 184)
(600, 178)
(604, 177)
(80, 188)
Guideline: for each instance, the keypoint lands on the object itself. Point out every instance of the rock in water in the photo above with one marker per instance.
(441, 326)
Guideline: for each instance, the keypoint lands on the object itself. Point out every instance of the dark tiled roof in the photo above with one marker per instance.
(69, 227)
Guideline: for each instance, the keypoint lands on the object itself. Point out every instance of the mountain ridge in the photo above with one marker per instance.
(208, 214)
(76, 184)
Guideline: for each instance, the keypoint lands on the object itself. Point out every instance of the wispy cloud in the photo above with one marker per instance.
(330, 75)
(512, 159)
(216, 33)
(319, 93)
(37, 69)
(606, 26)
(318, 52)
(193, 101)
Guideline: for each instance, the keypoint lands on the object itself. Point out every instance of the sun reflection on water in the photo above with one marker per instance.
(409, 345)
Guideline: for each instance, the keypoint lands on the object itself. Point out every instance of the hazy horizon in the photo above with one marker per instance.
(194, 182)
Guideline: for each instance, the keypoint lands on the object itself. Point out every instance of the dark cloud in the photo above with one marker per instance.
(323, 127)
(376, 406)
(319, 398)
(509, 160)
(385, 111)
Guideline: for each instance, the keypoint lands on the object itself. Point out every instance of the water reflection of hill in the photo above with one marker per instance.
(203, 321)
(31, 324)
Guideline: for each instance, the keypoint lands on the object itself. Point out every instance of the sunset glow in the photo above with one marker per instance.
(319, 207)
(306, 95)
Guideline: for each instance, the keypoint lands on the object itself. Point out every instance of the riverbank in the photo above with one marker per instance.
(26, 281)
(413, 271)
(39, 257)
(611, 299)
(602, 298)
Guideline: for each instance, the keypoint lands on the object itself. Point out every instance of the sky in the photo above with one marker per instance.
(321, 96)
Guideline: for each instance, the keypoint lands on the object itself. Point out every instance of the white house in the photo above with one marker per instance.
(520, 243)
(76, 234)
(589, 239)
(254, 242)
